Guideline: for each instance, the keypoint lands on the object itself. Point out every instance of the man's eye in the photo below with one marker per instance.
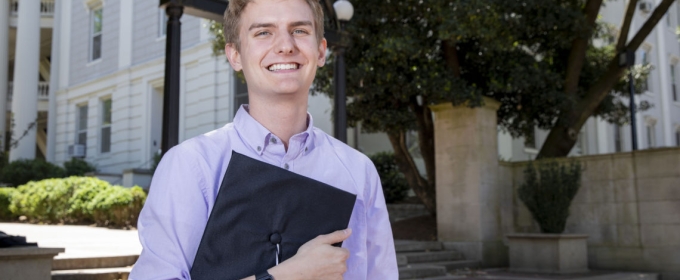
(300, 31)
(262, 33)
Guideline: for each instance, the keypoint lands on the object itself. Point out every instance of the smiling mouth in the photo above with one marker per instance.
(283, 66)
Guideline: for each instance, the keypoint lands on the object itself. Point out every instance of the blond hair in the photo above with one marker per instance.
(232, 20)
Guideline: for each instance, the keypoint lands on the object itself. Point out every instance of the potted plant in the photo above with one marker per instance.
(547, 191)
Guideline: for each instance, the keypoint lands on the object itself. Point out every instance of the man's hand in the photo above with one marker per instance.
(316, 260)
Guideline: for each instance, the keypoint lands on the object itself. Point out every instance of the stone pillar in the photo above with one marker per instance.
(4, 68)
(469, 204)
(25, 93)
(54, 83)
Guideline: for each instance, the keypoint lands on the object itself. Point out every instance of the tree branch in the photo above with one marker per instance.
(563, 136)
(625, 26)
(579, 46)
(451, 56)
(408, 167)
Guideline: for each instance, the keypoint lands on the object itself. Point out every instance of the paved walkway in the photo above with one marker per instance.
(79, 241)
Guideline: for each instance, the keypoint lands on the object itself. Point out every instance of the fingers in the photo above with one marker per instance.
(334, 237)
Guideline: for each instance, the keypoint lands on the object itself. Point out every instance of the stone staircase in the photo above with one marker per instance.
(416, 260)
(96, 268)
(429, 260)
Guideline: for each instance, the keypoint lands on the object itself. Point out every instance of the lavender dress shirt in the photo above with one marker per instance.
(187, 180)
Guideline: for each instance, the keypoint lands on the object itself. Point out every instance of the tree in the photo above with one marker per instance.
(409, 54)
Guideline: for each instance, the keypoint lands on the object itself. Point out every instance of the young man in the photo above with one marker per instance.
(278, 44)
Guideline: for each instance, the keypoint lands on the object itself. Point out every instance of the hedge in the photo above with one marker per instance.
(20, 172)
(393, 181)
(76, 200)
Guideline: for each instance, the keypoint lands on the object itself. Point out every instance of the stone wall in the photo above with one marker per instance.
(628, 204)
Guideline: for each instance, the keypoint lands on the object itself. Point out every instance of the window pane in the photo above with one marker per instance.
(106, 112)
(82, 117)
(96, 47)
(82, 138)
(106, 139)
(97, 21)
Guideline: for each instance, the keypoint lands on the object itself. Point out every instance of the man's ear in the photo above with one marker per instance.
(233, 56)
(323, 46)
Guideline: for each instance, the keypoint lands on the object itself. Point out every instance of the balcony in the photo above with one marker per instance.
(46, 13)
(43, 95)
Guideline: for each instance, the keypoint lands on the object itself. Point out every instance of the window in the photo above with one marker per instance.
(618, 139)
(581, 143)
(81, 124)
(162, 22)
(530, 139)
(645, 61)
(677, 137)
(105, 137)
(651, 135)
(96, 34)
(674, 87)
(240, 93)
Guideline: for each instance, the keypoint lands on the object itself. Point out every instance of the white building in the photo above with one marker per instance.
(107, 63)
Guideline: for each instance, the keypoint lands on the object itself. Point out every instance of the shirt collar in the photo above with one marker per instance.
(258, 137)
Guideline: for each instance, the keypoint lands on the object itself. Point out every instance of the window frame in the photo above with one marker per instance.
(618, 138)
(94, 34)
(79, 118)
(674, 87)
(162, 23)
(103, 124)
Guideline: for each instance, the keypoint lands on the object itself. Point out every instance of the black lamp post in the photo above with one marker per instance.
(343, 11)
(627, 59)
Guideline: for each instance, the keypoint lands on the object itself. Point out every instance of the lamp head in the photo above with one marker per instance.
(343, 9)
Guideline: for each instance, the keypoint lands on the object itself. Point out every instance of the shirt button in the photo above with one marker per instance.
(306, 149)
(285, 166)
(273, 140)
(259, 148)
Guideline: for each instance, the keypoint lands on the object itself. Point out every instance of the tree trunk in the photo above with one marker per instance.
(565, 133)
(424, 190)
(579, 46)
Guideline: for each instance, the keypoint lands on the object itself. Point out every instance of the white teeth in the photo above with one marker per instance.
(277, 67)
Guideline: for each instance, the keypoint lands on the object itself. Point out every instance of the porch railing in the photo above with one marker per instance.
(43, 91)
(46, 8)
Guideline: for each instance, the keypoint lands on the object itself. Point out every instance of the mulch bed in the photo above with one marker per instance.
(423, 228)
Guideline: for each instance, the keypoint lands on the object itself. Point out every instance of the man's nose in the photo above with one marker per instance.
(285, 43)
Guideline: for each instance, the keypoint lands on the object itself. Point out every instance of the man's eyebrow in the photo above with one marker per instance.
(301, 23)
(261, 25)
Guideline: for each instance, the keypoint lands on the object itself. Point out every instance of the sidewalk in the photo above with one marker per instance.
(79, 241)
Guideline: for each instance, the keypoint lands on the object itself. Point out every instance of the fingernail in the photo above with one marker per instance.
(348, 231)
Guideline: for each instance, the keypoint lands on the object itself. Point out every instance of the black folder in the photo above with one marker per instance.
(263, 213)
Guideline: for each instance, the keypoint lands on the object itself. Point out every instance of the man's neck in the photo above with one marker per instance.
(284, 118)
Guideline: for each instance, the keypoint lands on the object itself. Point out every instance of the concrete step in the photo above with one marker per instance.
(451, 265)
(94, 262)
(409, 272)
(428, 257)
(403, 246)
(116, 273)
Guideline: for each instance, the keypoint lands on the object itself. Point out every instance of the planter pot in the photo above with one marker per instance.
(548, 253)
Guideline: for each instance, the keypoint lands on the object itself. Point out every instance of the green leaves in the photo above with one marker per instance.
(548, 189)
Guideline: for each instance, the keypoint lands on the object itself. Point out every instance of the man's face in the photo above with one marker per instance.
(279, 52)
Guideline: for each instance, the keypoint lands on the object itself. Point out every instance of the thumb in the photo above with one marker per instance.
(334, 237)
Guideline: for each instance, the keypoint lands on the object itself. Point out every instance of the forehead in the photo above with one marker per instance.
(278, 12)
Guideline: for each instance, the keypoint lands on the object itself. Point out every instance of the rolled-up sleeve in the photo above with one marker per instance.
(174, 216)
(382, 259)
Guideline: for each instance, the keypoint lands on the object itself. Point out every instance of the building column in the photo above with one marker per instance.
(25, 93)
(472, 203)
(4, 68)
(55, 61)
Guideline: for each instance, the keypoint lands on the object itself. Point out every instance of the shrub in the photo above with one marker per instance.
(117, 206)
(394, 183)
(548, 192)
(5, 200)
(78, 167)
(22, 171)
(78, 200)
